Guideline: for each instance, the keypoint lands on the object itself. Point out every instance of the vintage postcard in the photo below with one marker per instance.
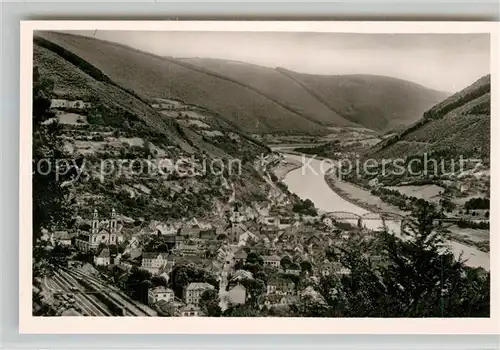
(258, 177)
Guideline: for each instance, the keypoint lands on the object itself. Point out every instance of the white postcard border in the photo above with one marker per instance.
(192, 325)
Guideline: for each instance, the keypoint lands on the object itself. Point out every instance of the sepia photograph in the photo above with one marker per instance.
(298, 174)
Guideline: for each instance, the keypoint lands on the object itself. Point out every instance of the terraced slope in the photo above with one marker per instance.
(459, 125)
(152, 76)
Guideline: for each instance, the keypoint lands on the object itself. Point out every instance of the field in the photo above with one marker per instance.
(359, 196)
(427, 192)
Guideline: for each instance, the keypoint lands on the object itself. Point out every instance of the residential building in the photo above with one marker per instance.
(276, 300)
(189, 249)
(102, 231)
(193, 291)
(335, 267)
(280, 286)
(237, 294)
(174, 242)
(208, 234)
(190, 232)
(271, 260)
(160, 293)
(279, 217)
(103, 259)
(58, 103)
(240, 256)
(61, 237)
(190, 310)
(154, 262)
(292, 271)
(239, 275)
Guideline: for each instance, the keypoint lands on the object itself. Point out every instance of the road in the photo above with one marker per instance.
(223, 295)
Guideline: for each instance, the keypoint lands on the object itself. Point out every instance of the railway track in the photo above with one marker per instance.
(120, 299)
(88, 304)
(92, 299)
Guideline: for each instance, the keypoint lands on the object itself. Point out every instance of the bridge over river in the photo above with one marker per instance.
(308, 182)
(381, 219)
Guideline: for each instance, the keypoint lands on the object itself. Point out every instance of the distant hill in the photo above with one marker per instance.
(152, 76)
(376, 102)
(258, 99)
(276, 86)
(459, 125)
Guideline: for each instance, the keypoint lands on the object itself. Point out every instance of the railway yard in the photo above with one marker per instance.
(88, 295)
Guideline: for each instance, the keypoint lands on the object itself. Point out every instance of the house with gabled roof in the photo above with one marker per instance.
(237, 294)
(62, 237)
(103, 258)
(271, 260)
(240, 256)
(280, 286)
(154, 262)
(193, 291)
(190, 310)
(160, 293)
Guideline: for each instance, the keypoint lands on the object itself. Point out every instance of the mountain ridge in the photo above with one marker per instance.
(256, 98)
(460, 124)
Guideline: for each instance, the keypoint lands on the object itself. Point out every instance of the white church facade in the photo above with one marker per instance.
(101, 231)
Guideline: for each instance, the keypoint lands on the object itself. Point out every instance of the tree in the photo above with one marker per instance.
(254, 288)
(285, 262)
(306, 266)
(420, 277)
(240, 311)
(305, 207)
(158, 281)
(447, 205)
(182, 275)
(51, 205)
(209, 303)
(254, 258)
(138, 284)
(309, 307)
(424, 278)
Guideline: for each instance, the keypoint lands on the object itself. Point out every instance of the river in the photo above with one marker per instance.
(308, 182)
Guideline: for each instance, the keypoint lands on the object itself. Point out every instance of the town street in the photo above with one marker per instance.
(223, 295)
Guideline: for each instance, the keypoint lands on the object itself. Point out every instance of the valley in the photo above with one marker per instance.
(185, 187)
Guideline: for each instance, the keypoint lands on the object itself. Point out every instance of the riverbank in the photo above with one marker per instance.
(364, 199)
(310, 183)
(359, 196)
(472, 237)
(284, 168)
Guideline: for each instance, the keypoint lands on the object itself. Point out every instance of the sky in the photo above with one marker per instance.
(446, 62)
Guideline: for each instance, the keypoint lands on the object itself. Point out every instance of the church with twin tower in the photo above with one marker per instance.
(101, 231)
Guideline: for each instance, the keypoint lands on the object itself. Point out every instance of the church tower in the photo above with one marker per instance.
(95, 222)
(113, 221)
